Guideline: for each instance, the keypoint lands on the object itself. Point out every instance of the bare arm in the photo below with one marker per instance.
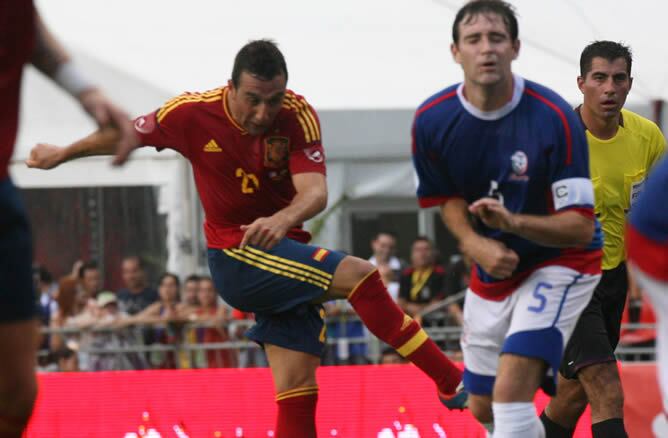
(310, 199)
(149, 315)
(557, 230)
(455, 311)
(103, 142)
(493, 256)
(48, 53)
(51, 58)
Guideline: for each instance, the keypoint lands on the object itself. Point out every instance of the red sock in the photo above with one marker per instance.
(296, 413)
(390, 324)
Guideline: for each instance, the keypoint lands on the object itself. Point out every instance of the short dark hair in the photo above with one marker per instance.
(90, 265)
(192, 277)
(608, 50)
(260, 58)
(423, 239)
(392, 234)
(474, 8)
(42, 275)
(140, 261)
(169, 274)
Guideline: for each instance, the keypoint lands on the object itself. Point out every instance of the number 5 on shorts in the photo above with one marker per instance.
(542, 299)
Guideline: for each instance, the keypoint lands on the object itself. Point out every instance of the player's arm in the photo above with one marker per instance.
(310, 199)
(103, 142)
(572, 224)
(156, 129)
(564, 229)
(491, 255)
(52, 59)
(435, 188)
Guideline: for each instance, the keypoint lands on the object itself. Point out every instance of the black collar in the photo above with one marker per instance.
(577, 111)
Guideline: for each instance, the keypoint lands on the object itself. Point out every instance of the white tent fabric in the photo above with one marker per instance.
(50, 115)
(344, 56)
(354, 54)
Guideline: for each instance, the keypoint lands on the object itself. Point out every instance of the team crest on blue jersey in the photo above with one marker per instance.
(520, 163)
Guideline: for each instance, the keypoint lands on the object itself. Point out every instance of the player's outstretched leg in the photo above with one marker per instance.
(296, 391)
(360, 282)
(18, 388)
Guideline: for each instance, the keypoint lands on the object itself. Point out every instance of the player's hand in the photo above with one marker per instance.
(106, 113)
(265, 232)
(493, 214)
(44, 156)
(495, 258)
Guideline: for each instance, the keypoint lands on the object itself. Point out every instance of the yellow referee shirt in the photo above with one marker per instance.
(619, 167)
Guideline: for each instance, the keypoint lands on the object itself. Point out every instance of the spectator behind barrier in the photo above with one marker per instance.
(211, 311)
(422, 283)
(137, 294)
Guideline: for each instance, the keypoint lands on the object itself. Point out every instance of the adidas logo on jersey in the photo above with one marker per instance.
(212, 146)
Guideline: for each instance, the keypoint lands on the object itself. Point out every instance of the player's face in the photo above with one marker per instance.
(605, 87)
(255, 103)
(485, 49)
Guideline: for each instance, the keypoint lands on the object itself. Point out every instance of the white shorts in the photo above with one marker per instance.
(536, 320)
(657, 292)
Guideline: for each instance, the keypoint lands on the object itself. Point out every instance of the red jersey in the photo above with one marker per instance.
(239, 177)
(17, 32)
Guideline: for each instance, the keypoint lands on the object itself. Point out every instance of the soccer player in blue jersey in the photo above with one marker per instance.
(513, 154)
(647, 252)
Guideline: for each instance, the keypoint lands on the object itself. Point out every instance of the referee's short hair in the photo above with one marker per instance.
(608, 50)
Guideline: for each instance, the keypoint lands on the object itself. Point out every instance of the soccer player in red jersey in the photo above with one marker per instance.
(23, 39)
(259, 167)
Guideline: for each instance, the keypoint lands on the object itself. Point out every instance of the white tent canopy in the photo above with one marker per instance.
(364, 65)
(354, 54)
(50, 115)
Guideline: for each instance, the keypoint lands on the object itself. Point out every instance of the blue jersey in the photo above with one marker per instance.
(531, 154)
(647, 234)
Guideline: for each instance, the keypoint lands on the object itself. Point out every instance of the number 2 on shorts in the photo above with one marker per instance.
(542, 299)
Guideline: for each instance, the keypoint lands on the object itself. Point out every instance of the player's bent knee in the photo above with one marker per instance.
(350, 272)
(359, 268)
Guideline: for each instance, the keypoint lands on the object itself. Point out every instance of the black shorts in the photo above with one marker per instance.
(596, 334)
(17, 293)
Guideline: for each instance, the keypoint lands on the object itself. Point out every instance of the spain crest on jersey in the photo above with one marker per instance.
(276, 152)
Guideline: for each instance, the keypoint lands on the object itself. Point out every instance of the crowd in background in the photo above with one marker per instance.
(94, 329)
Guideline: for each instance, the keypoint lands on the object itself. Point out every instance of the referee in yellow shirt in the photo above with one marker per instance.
(623, 147)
